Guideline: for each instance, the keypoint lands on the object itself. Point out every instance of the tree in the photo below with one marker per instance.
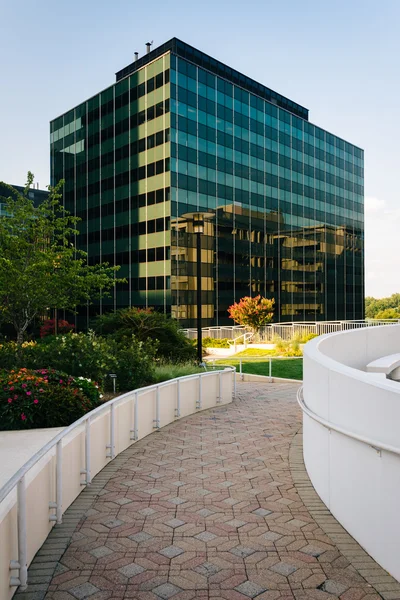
(40, 268)
(375, 306)
(147, 325)
(252, 312)
(388, 313)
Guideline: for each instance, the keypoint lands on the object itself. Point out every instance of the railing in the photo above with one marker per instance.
(377, 446)
(287, 331)
(247, 336)
(130, 426)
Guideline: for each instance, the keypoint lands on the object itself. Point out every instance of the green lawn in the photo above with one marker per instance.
(291, 368)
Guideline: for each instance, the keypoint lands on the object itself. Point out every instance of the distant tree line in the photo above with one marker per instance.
(382, 308)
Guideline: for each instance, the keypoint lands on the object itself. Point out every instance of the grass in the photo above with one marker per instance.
(290, 368)
(255, 352)
(167, 371)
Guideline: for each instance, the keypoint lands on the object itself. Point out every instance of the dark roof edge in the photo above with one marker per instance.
(215, 66)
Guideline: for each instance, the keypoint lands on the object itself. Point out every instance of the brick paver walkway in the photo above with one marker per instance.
(205, 508)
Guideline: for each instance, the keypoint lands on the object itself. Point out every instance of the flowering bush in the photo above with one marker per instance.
(86, 355)
(48, 327)
(44, 398)
(252, 312)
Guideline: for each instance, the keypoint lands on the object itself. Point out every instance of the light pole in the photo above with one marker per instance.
(197, 219)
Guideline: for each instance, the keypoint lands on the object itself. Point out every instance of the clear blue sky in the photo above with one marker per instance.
(339, 59)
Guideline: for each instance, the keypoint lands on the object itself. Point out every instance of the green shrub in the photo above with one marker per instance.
(149, 326)
(287, 347)
(209, 342)
(44, 398)
(133, 363)
(309, 336)
(85, 355)
(171, 371)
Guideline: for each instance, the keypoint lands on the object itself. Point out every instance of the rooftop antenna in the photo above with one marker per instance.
(148, 46)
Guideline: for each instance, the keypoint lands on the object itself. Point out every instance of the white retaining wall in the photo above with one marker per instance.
(358, 483)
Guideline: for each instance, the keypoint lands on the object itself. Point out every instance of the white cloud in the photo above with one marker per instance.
(382, 249)
(373, 205)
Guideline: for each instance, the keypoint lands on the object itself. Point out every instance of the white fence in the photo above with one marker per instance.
(351, 436)
(38, 494)
(286, 331)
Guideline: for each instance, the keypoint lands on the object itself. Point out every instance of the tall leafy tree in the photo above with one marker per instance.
(40, 268)
(252, 312)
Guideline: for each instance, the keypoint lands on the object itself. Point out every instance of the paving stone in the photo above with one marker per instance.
(284, 569)
(147, 512)
(131, 570)
(272, 536)
(312, 550)
(112, 523)
(151, 491)
(175, 523)
(171, 551)
(122, 501)
(101, 552)
(177, 501)
(85, 590)
(262, 512)
(141, 536)
(205, 512)
(166, 591)
(205, 536)
(250, 589)
(231, 501)
(333, 587)
(242, 551)
(207, 569)
(236, 523)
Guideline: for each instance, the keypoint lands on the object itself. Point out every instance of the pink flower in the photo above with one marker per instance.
(15, 397)
(61, 380)
(44, 372)
(24, 385)
(11, 388)
(23, 417)
(9, 400)
(28, 393)
(36, 401)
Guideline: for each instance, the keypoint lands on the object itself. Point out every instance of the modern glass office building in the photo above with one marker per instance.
(181, 132)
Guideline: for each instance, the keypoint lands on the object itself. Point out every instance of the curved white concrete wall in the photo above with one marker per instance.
(360, 485)
(215, 390)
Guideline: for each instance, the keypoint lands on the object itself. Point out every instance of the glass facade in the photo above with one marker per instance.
(180, 132)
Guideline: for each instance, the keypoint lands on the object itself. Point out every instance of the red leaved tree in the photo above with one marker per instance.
(49, 328)
(252, 312)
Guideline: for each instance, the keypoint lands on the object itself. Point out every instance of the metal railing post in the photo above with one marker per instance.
(156, 421)
(59, 510)
(136, 414)
(240, 369)
(111, 445)
(58, 503)
(87, 451)
(234, 382)
(22, 564)
(219, 399)
(178, 399)
(198, 403)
